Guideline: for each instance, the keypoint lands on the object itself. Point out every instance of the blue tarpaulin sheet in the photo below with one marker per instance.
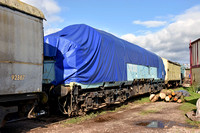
(86, 55)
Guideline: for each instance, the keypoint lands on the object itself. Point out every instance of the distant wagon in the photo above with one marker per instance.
(173, 73)
(195, 62)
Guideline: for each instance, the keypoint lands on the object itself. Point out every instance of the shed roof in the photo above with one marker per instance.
(195, 41)
(23, 7)
(175, 63)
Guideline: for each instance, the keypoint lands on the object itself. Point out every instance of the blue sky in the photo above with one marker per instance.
(117, 16)
(164, 27)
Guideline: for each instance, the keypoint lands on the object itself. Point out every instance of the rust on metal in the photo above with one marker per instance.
(12, 62)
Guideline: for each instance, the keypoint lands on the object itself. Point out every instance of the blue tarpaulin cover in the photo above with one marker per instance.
(87, 55)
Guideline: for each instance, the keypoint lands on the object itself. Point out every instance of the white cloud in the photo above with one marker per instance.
(49, 7)
(172, 42)
(150, 24)
(51, 30)
(51, 11)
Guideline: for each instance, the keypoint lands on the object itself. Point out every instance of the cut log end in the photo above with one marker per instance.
(167, 98)
(162, 95)
(151, 96)
(179, 101)
(155, 98)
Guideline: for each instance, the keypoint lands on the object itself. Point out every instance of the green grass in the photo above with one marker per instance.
(120, 107)
(146, 112)
(196, 123)
(79, 119)
(190, 103)
(142, 100)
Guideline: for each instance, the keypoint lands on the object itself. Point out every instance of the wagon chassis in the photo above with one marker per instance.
(78, 101)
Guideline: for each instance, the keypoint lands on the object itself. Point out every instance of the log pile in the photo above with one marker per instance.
(168, 96)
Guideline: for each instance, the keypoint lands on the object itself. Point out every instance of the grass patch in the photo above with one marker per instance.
(146, 112)
(123, 106)
(190, 103)
(142, 100)
(79, 119)
(116, 108)
(196, 123)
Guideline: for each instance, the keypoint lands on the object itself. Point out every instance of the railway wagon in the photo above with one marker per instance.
(21, 59)
(86, 69)
(173, 73)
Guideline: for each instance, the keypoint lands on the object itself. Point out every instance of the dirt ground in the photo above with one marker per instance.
(133, 118)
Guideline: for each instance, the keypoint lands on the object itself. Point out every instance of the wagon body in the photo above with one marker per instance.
(21, 59)
(92, 57)
(173, 72)
(21, 53)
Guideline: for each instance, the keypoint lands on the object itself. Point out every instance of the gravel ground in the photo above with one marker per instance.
(133, 118)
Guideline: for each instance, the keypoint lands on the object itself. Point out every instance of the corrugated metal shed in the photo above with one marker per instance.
(195, 62)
